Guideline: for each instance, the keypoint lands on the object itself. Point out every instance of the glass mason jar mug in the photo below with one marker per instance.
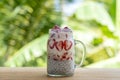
(61, 51)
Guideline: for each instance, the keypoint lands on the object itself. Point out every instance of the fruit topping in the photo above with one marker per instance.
(56, 28)
(66, 29)
(67, 45)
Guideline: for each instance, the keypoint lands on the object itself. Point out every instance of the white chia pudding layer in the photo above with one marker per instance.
(65, 67)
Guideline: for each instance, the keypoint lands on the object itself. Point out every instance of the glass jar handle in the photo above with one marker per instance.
(83, 52)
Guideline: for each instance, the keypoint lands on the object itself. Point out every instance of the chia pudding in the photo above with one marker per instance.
(60, 49)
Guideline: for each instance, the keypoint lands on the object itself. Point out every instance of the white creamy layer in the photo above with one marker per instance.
(60, 36)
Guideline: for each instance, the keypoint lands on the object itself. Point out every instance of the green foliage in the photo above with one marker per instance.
(92, 19)
(98, 54)
(110, 6)
(22, 21)
(95, 13)
(97, 41)
(108, 63)
(32, 54)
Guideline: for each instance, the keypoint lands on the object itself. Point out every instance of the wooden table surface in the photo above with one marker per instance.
(36, 73)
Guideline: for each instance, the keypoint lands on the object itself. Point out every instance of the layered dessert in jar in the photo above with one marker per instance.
(60, 52)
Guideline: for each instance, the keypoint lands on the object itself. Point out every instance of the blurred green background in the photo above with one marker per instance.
(24, 26)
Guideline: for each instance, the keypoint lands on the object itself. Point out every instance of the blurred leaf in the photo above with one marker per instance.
(94, 11)
(97, 41)
(22, 21)
(109, 63)
(30, 51)
(107, 32)
(98, 53)
(112, 10)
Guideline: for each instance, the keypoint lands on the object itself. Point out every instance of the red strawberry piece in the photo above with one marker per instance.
(58, 56)
(67, 45)
(66, 29)
(66, 53)
(63, 56)
(48, 57)
(68, 58)
(55, 59)
(61, 59)
(52, 35)
(59, 45)
(51, 43)
(56, 28)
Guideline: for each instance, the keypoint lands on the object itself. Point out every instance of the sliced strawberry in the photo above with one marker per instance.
(63, 56)
(58, 56)
(68, 58)
(59, 45)
(66, 29)
(52, 35)
(63, 59)
(67, 45)
(66, 53)
(55, 59)
(51, 43)
(48, 57)
(56, 29)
